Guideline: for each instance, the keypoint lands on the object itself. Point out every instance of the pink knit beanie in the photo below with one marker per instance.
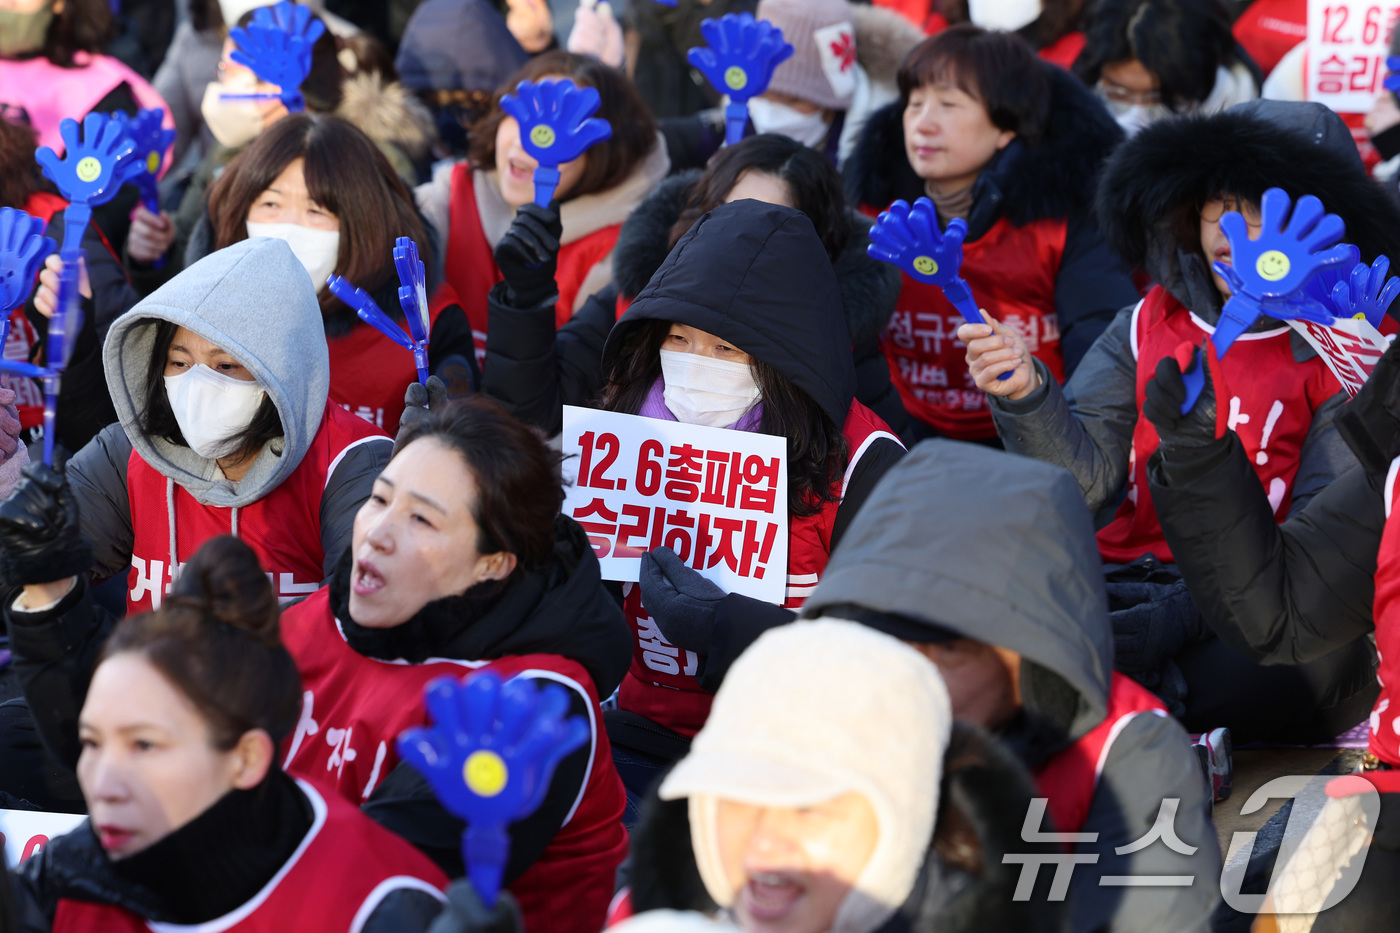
(823, 66)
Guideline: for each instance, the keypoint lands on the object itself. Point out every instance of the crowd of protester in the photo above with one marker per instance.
(1036, 588)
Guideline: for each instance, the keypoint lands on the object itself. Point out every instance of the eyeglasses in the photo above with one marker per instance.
(1118, 94)
(1249, 212)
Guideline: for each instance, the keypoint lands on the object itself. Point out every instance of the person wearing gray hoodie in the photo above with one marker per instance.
(1009, 602)
(290, 469)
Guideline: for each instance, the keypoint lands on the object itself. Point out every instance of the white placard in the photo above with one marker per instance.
(718, 498)
(1346, 52)
(1350, 348)
(24, 832)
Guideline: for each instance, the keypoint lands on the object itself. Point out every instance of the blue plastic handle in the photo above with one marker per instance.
(489, 756)
(413, 298)
(277, 47)
(908, 237)
(738, 59)
(368, 310)
(23, 249)
(556, 126)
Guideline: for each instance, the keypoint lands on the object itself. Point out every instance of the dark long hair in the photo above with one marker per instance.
(158, 420)
(19, 174)
(518, 488)
(817, 450)
(346, 174)
(1182, 42)
(609, 162)
(812, 181)
(216, 639)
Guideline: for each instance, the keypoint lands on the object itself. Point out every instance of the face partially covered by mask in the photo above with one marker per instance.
(318, 250)
(24, 32)
(212, 409)
(287, 211)
(234, 123)
(771, 116)
(707, 391)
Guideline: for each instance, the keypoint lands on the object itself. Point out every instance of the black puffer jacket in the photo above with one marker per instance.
(517, 344)
(1056, 178)
(964, 885)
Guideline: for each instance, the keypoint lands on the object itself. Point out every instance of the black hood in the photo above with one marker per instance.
(756, 275)
(1176, 164)
(869, 288)
(1023, 183)
(559, 608)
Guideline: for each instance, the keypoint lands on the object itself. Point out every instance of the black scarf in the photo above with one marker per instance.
(222, 858)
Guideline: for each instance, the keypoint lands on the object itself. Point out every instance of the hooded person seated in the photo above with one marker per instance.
(830, 791)
(1161, 201)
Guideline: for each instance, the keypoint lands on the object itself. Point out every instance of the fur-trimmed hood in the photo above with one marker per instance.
(869, 289)
(387, 112)
(1178, 163)
(1023, 183)
(964, 886)
(883, 38)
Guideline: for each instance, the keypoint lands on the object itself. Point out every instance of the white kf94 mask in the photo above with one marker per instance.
(212, 408)
(706, 391)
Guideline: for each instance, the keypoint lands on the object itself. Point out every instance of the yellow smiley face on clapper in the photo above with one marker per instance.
(736, 78)
(1272, 266)
(542, 136)
(924, 265)
(88, 169)
(485, 773)
(153, 163)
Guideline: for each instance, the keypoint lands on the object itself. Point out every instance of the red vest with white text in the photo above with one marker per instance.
(661, 684)
(283, 527)
(1070, 778)
(370, 373)
(471, 262)
(49, 92)
(1385, 715)
(1011, 271)
(1271, 402)
(354, 707)
(345, 867)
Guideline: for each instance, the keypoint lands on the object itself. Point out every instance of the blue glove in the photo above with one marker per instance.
(908, 238)
(556, 126)
(489, 757)
(88, 174)
(682, 603)
(740, 59)
(142, 168)
(23, 249)
(413, 298)
(1274, 268)
(277, 46)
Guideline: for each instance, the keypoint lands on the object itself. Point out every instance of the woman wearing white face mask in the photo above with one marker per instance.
(322, 186)
(220, 380)
(1149, 59)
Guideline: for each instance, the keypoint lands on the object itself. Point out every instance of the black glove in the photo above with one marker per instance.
(40, 540)
(529, 254)
(682, 602)
(465, 913)
(1162, 403)
(418, 401)
(1152, 623)
(1370, 422)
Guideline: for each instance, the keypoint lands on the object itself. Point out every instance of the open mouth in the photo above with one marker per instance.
(770, 896)
(366, 579)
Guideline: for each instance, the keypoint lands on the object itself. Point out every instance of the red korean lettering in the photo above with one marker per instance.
(722, 477)
(641, 515)
(600, 533)
(760, 489)
(648, 477)
(684, 473)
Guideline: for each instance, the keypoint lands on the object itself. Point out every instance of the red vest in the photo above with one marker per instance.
(1269, 29)
(1385, 715)
(1012, 274)
(471, 262)
(1070, 778)
(1064, 50)
(661, 684)
(49, 92)
(344, 868)
(1271, 401)
(283, 527)
(354, 707)
(369, 373)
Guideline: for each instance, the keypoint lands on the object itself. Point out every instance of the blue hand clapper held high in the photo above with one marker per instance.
(276, 46)
(367, 310)
(142, 168)
(908, 237)
(23, 249)
(556, 126)
(738, 59)
(413, 298)
(489, 757)
(1267, 275)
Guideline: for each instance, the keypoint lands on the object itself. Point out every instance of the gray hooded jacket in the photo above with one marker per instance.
(1021, 571)
(254, 301)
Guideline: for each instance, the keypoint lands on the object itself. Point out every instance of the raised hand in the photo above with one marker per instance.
(88, 174)
(23, 249)
(1275, 267)
(143, 167)
(556, 126)
(489, 757)
(738, 60)
(277, 46)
